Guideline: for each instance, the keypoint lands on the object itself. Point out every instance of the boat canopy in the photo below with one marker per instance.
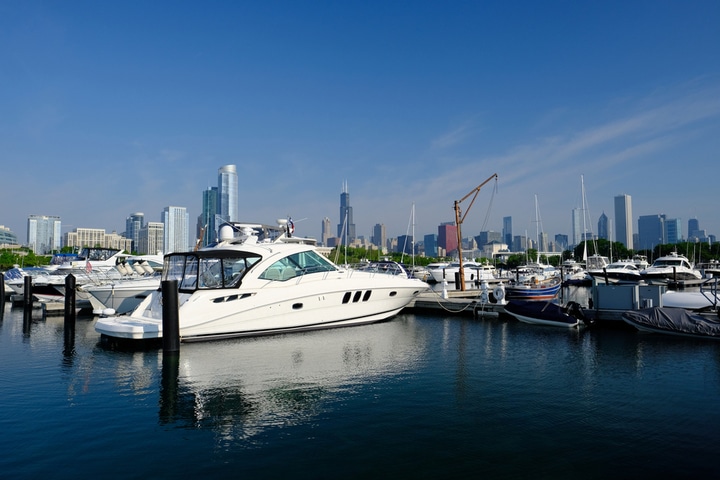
(207, 269)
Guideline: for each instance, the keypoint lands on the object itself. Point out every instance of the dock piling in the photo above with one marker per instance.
(170, 317)
(27, 293)
(70, 301)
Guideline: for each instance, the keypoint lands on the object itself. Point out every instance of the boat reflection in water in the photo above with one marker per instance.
(244, 386)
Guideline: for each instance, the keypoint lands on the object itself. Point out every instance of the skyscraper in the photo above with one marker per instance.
(151, 239)
(325, 234)
(346, 227)
(133, 224)
(430, 242)
(651, 231)
(447, 237)
(693, 227)
(228, 193)
(603, 227)
(507, 232)
(44, 233)
(623, 220)
(379, 236)
(673, 230)
(207, 217)
(175, 222)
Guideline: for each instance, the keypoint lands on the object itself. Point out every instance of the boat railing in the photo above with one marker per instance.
(709, 290)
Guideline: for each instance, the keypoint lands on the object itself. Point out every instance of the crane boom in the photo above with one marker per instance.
(459, 220)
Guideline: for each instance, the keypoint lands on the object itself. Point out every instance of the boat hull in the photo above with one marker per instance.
(273, 309)
(532, 292)
(542, 313)
(673, 321)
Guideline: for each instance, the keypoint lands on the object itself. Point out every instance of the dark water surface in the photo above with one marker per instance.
(421, 396)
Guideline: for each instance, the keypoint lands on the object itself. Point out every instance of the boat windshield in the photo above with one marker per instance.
(193, 271)
(297, 264)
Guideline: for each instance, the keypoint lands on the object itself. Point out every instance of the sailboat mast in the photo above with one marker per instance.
(582, 192)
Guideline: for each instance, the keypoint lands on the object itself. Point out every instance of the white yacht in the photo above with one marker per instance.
(621, 271)
(263, 281)
(473, 271)
(671, 267)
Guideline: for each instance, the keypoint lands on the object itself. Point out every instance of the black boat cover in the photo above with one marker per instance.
(673, 320)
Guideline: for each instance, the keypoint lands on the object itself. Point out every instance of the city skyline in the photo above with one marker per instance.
(113, 110)
(580, 229)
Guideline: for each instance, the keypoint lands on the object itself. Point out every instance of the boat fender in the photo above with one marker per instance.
(499, 293)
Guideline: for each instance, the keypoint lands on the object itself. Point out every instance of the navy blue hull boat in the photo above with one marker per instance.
(546, 313)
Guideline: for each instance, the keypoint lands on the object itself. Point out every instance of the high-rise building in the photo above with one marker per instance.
(561, 241)
(7, 237)
(325, 234)
(487, 237)
(227, 196)
(507, 234)
(151, 239)
(175, 222)
(207, 217)
(623, 220)
(431, 245)
(673, 230)
(651, 231)
(405, 244)
(133, 224)
(693, 228)
(447, 237)
(379, 237)
(346, 227)
(44, 233)
(603, 227)
(520, 243)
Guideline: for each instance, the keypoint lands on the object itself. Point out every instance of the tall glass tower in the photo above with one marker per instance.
(346, 227)
(133, 224)
(207, 217)
(44, 233)
(507, 235)
(623, 220)
(228, 193)
(175, 224)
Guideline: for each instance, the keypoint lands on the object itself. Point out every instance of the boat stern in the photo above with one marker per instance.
(128, 327)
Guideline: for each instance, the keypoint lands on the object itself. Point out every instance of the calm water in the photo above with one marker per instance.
(421, 396)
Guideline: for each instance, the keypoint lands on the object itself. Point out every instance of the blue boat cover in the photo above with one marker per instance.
(673, 320)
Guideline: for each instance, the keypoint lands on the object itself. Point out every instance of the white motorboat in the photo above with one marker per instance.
(595, 263)
(534, 273)
(621, 271)
(120, 296)
(472, 271)
(263, 281)
(669, 268)
(140, 277)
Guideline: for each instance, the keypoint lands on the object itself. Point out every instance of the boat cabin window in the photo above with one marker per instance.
(297, 264)
(206, 272)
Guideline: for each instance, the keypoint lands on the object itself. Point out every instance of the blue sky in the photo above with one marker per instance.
(108, 108)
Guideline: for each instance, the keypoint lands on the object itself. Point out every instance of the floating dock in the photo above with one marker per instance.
(606, 303)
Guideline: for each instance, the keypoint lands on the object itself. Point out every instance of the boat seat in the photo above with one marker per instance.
(287, 273)
(271, 274)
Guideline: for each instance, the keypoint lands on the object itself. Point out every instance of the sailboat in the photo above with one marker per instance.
(595, 263)
(535, 281)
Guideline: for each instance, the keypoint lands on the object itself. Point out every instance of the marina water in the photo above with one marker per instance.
(420, 396)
